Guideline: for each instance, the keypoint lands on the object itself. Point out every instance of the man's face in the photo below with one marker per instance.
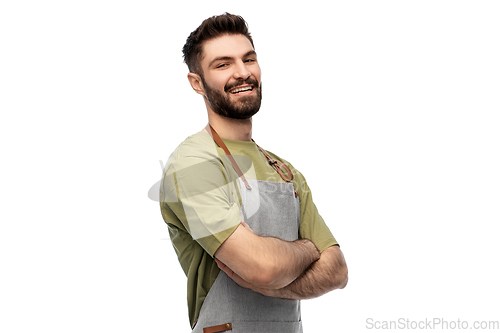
(231, 76)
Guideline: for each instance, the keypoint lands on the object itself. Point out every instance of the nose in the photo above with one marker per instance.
(241, 71)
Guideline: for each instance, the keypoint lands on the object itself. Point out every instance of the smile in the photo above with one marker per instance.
(239, 90)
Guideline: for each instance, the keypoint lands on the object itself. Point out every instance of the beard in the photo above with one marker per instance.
(244, 108)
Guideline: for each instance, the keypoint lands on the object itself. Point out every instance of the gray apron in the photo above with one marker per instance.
(270, 209)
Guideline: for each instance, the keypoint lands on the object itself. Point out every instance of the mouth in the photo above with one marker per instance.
(241, 90)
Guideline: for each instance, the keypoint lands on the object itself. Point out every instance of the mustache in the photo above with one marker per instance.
(251, 81)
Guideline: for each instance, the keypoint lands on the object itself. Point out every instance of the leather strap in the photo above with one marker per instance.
(221, 144)
(218, 328)
(278, 166)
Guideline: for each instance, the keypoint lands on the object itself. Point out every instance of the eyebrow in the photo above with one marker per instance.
(249, 53)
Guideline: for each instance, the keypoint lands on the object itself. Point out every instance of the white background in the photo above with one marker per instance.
(389, 108)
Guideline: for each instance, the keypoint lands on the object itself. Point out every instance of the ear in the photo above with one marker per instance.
(196, 84)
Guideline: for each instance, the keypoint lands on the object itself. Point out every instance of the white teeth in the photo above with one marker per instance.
(235, 91)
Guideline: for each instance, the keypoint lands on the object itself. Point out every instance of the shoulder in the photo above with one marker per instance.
(195, 149)
(193, 168)
(199, 145)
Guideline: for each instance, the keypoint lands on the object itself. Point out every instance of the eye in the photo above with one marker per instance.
(221, 65)
(250, 60)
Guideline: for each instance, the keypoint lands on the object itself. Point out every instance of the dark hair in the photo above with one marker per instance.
(211, 28)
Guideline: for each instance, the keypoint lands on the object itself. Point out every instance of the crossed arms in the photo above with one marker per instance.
(278, 268)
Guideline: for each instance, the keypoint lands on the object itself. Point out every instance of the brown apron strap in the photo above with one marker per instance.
(278, 166)
(218, 328)
(221, 144)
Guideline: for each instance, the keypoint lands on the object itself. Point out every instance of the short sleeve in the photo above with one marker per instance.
(196, 188)
(312, 225)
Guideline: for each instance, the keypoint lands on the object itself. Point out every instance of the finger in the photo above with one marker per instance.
(221, 265)
(243, 223)
(227, 270)
(218, 262)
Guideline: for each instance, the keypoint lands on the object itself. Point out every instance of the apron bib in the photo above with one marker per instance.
(271, 209)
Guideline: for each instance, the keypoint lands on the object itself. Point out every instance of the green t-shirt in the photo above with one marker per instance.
(200, 202)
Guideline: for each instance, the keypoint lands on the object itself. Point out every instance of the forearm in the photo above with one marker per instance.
(324, 275)
(271, 263)
(285, 261)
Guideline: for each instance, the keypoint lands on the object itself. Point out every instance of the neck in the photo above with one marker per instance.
(233, 129)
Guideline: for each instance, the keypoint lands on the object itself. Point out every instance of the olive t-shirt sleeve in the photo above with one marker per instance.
(197, 191)
(312, 225)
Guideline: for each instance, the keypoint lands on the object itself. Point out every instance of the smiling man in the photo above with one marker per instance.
(242, 221)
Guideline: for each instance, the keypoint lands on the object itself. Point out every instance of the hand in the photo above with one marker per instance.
(243, 223)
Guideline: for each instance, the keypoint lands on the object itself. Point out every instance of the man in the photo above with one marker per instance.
(242, 221)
